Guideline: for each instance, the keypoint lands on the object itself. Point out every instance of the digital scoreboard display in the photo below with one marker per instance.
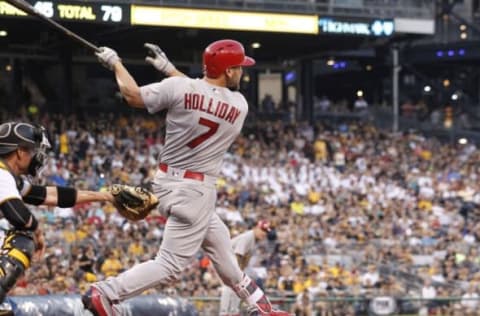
(159, 16)
(224, 20)
(358, 27)
(74, 11)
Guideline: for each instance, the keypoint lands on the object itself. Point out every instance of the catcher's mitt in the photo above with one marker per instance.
(133, 203)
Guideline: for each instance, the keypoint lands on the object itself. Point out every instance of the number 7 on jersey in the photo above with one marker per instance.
(213, 127)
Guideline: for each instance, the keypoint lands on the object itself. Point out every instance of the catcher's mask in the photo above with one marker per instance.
(14, 135)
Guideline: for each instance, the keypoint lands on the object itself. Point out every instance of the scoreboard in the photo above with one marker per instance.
(155, 15)
(103, 12)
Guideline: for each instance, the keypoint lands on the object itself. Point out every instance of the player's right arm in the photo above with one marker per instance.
(153, 97)
(127, 85)
(16, 212)
(20, 217)
(12, 205)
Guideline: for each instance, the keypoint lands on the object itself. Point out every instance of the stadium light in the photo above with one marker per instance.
(451, 52)
(427, 88)
(359, 93)
(454, 97)
(246, 78)
(256, 45)
(290, 77)
(463, 141)
(339, 65)
(3, 33)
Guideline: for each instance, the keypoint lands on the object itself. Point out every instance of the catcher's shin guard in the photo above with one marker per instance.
(16, 254)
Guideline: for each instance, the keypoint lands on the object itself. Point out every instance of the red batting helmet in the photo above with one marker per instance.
(264, 225)
(223, 54)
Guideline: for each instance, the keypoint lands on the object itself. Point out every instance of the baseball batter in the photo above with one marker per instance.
(243, 247)
(204, 116)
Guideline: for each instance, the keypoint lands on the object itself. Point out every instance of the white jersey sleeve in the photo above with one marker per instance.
(161, 95)
(8, 189)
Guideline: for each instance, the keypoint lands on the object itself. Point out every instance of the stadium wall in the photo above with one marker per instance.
(70, 305)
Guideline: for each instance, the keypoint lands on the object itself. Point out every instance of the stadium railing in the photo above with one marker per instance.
(371, 305)
(360, 305)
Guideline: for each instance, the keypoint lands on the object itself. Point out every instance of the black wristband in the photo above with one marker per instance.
(66, 197)
(36, 195)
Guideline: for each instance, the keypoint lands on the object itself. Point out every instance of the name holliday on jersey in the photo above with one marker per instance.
(196, 101)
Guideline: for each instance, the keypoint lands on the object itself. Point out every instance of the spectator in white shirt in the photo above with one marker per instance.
(371, 277)
(470, 300)
(428, 290)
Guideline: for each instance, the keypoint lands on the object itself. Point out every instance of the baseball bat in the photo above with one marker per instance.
(27, 8)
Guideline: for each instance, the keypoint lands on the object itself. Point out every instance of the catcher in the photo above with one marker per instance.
(23, 152)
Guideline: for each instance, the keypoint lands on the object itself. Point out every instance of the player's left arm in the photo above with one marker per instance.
(60, 196)
(55, 195)
(159, 60)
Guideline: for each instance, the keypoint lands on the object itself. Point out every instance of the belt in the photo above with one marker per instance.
(187, 174)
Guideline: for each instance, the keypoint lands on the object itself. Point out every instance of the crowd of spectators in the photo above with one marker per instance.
(356, 211)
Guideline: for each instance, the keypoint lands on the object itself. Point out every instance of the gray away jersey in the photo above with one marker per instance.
(202, 121)
(244, 244)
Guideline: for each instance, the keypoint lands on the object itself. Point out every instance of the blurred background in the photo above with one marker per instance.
(360, 146)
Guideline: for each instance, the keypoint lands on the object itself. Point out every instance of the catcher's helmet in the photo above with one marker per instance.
(223, 54)
(18, 134)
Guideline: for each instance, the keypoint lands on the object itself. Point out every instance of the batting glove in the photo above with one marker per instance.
(107, 57)
(159, 60)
